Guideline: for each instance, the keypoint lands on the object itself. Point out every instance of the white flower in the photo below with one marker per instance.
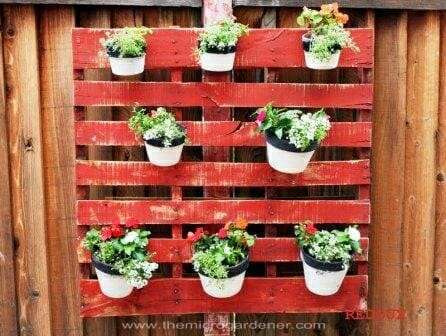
(354, 233)
(129, 237)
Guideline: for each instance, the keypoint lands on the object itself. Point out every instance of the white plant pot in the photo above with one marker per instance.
(283, 157)
(321, 281)
(127, 66)
(314, 63)
(164, 156)
(217, 62)
(224, 288)
(111, 284)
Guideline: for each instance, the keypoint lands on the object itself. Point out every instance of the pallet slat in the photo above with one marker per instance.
(185, 296)
(220, 174)
(93, 212)
(105, 93)
(173, 48)
(211, 133)
(265, 249)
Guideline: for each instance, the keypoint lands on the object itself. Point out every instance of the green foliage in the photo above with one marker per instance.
(213, 254)
(126, 252)
(221, 37)
(300, 129)
(126, 42)
(327, 30)
(328, 246)
(160, 125)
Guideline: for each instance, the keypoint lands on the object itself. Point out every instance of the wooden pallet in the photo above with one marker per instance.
(180, 294)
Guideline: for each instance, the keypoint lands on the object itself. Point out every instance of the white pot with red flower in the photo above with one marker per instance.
(163, 136)
(327, 37)
(291, 136)
(222, 259)
(120, 258)
(326, 256)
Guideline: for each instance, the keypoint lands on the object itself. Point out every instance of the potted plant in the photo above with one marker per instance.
(291, 136)
(217, 44)
(120, 258)
(126, 50)
(163, 136)
(327, 37)
(326, 256)
(222, 259)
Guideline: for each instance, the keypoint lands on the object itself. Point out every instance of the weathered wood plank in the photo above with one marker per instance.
(353, 96)
(181, 296)
(55, 24)
(419, 192)
(265, 249)
(439, 308)
(174, 48)
(155, 3)
(26, 171)
(388, 164)
(221, 211)
(8, 306)
(220, 174)
(221, 133)
(378, 4)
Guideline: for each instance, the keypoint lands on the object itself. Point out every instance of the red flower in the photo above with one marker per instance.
(310, 228)
(117, 231)
(222, 234)
(132, 223)
(194, 237)
(106, 233)
(261, 115)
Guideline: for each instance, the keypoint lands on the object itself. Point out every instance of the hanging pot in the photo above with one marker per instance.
(112, 284)
(314, 63)
(285, 157)
(224, 288)
(322, 278)
(162, 156)
(218, 61)
(127, 66)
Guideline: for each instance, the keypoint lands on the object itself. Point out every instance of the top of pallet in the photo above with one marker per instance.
(391, 4)
(175, 48)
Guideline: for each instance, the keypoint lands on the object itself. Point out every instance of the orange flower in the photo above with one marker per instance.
(341, 18)
(329, 8)
(241, 224)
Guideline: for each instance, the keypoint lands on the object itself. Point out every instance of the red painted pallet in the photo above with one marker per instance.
(272, 292)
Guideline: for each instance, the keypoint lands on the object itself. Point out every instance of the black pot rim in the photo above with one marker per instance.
(143, 55)
(234, 270)
(322, 265)
(159, 142)
(103, 267)
(285, 145)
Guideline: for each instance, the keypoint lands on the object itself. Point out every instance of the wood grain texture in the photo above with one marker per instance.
(26, 170)
(174, 48)
(265, 249)
(157, 3)
(419, 194)
(220, 174)
(221, 211)
(353, 96)
(55, 25)
(274, 295)
(439, 307)
(212, 133)
(388, 168)
(8, 306)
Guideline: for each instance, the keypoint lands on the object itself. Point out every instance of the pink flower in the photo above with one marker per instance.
(261, 115)
(106, 233)
(222, 233)
(194, 237)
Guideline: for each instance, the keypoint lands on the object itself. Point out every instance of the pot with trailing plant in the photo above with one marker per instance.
(126, 50)
(222, 259)
(120, 258)
(326, 256)
(217, 45)
(163, 136)
(291, 136)
(327, 37)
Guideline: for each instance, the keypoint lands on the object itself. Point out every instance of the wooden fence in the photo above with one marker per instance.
(39, 292)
